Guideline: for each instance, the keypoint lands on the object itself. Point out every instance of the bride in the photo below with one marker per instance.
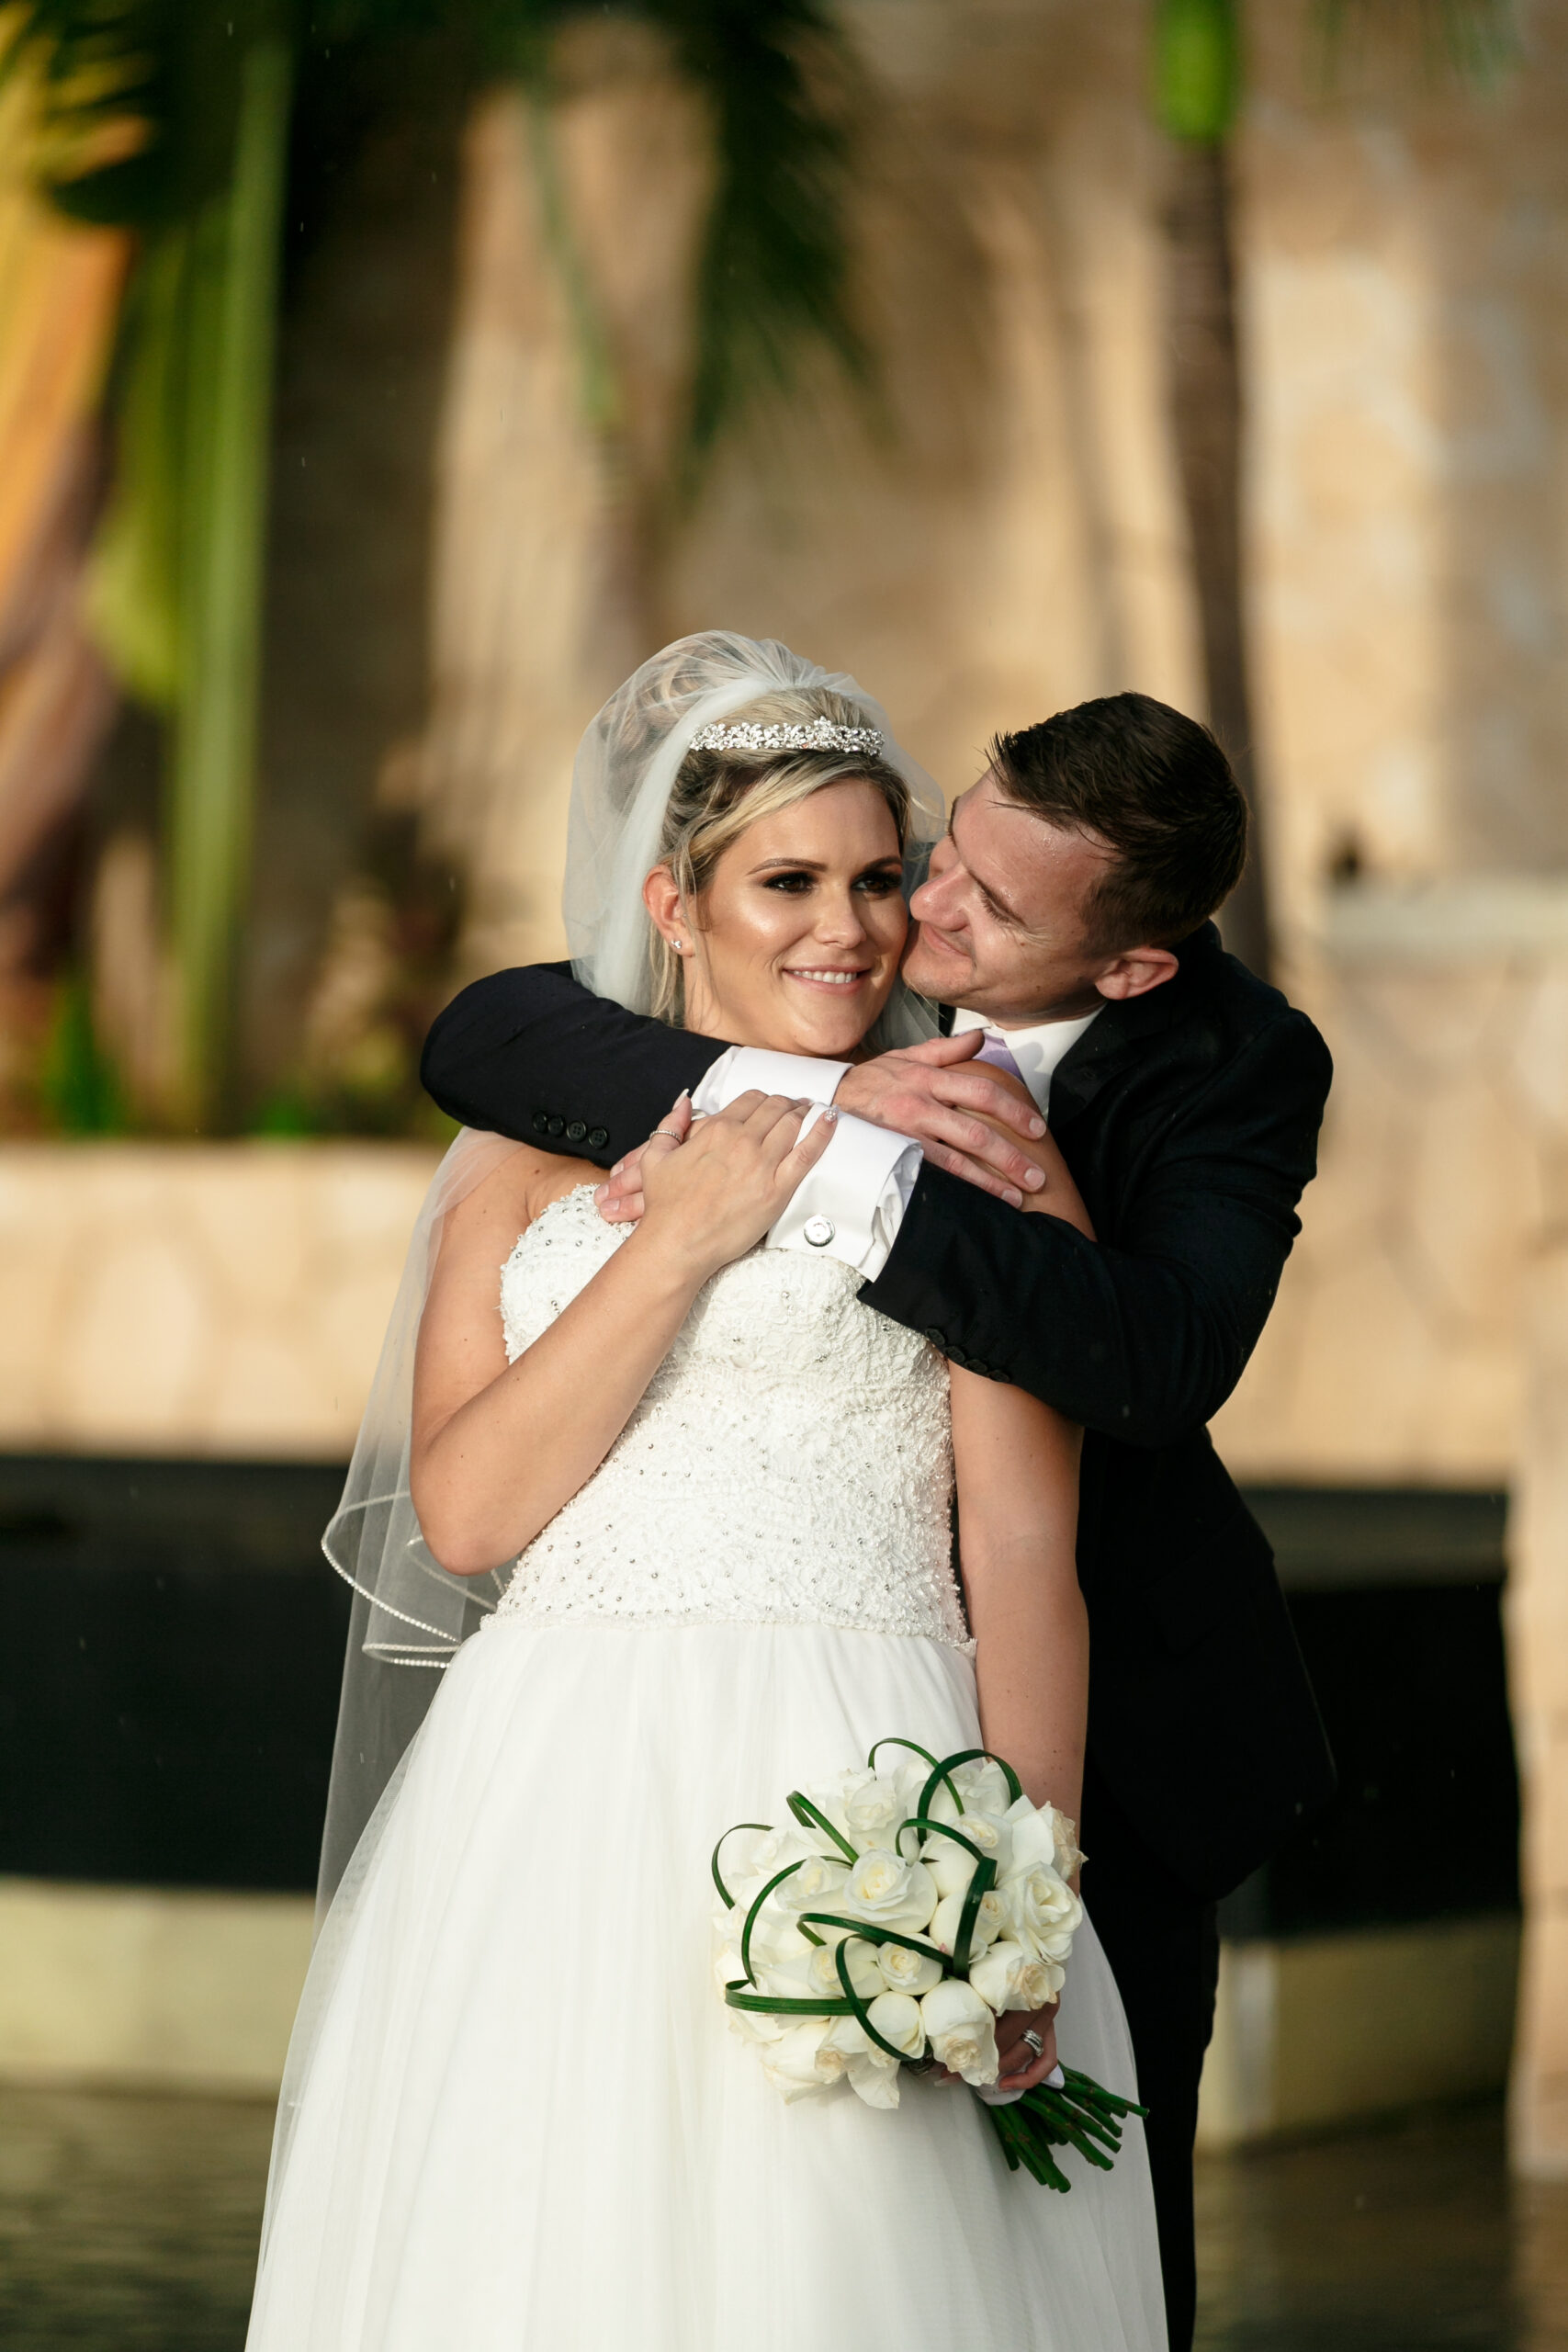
(514, 2115)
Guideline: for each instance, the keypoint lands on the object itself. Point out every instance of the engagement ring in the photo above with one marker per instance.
(1034, 2041)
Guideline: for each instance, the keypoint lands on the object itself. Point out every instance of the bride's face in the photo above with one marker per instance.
(797, 940)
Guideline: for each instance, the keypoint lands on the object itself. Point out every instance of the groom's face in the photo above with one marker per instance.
(1002, 915)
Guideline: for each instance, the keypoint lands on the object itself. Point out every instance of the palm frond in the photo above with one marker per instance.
(138, 98)
(1473, 41)
(773, 277)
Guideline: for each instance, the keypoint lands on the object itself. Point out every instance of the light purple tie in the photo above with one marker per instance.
(999, 1053)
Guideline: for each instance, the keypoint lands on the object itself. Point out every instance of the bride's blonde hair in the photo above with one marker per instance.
(718, 794)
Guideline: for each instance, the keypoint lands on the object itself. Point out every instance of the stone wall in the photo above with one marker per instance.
(223, 1299)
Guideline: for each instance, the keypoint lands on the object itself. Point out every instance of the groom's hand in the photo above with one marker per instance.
(939, 1094)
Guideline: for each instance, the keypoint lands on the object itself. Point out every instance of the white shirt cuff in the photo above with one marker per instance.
(850, 1206)
(741, 1067)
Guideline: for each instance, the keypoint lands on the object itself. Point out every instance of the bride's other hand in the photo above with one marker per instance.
(709, 1198)
(619, 1199)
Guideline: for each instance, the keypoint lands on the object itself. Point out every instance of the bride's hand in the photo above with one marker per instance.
(711, 1197)
(1022, 2065)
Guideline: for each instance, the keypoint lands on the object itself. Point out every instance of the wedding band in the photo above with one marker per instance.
(667, 1130)
(1034, 2041)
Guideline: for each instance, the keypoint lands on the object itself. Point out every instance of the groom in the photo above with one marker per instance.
(1066, 919)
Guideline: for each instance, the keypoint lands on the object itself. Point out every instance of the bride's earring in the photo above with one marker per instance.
(678, 945)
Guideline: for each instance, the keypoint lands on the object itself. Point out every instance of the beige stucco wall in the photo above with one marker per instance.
(222, 1299)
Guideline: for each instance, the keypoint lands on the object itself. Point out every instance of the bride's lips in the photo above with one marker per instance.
(832, 979)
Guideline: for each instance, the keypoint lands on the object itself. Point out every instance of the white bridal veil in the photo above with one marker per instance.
(409, 1616)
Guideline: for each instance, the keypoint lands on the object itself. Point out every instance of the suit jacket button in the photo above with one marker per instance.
(576, 1132)
(558, 1125)
(974, 1365)
(938, 1339)
(541, 1123)
(995, 1374)
(956, 1355)
(598, 1137)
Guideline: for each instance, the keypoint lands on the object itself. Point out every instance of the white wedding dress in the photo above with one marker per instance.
(515, 2118)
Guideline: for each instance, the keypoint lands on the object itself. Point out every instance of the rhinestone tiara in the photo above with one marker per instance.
(809, 735)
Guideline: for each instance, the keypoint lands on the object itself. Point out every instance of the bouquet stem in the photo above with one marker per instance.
(1079, 2115)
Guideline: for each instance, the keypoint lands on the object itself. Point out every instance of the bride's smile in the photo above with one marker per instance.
(795, 941)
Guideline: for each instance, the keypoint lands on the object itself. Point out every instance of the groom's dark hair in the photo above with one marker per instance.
(1153, 785)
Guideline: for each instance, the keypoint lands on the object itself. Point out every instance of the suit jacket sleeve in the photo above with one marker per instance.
(1142, 1340)
(531, 1053)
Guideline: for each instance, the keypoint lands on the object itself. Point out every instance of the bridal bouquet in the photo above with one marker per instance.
(905, 1909)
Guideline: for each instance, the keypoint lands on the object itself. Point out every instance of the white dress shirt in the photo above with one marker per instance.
(852, 1204)
(1035, 1051)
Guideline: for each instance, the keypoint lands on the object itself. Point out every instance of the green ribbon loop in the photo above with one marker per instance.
(980, 1886)
(841, 1963)
(724, 1897)
(870, 1935)
(810, 1817)
(777, 1880)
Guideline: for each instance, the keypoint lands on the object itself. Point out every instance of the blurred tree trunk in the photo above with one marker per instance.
(1207, 419)
(1197, 76)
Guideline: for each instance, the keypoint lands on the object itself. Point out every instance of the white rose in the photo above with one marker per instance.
(1069, 1853)
(900, 2020)
(1040, 1982)
(816, 1885)
(872, 2071)
(874, 2078)
(727, 1968)
(990, 1918)
(1008, 1977)
(953, 1868)
(873, 1808)
(904, 1971)
(1043, 1911)
(772, 1851)
(962, 2030)
(803, 2059)
(1041, 1833)
(822, 1970)
(756, 2027)
(774, 1936)
(983, 1786)
(888, 1891)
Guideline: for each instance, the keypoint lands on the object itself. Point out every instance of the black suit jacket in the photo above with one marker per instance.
(1188, 1118)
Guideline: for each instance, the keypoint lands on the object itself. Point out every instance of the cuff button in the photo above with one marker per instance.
(541, 1123)
(819, 1231)
(598, 1137)
(576, 1132)
(558, 1125)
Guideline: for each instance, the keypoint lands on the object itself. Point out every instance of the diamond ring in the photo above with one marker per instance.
(1034, 2041)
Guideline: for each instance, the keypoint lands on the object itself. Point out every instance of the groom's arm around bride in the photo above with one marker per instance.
(1069, 906)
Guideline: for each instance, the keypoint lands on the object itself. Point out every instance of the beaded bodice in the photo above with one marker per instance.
(790, 1461)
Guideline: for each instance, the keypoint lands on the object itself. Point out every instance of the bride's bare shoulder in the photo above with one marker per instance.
(511, 1197)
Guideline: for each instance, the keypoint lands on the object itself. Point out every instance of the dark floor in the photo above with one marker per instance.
(1407, 2239)
(128, 2223)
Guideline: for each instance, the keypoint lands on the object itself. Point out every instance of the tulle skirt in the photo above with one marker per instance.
(515, 2118)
